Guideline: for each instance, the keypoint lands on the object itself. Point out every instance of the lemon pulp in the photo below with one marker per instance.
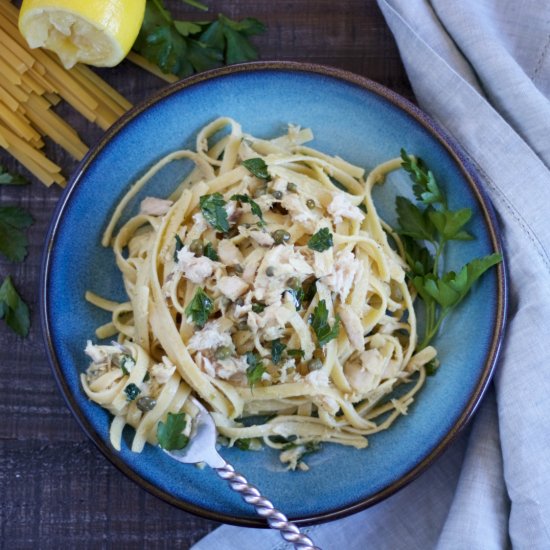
(98, 33)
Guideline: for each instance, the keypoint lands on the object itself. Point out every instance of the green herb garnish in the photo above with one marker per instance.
(277, 348)
(243, 444)
(184, 47)
(295, 353)
(320, 241)
(169, 433)
(257, 167)
(13, 309)
(131, 391)
(254, 206)
(210, 252)
(255, 368)
(258, 307)
(434, 226)
(126, 363)
(178, 247)
(13, 222)
(199, 308)
(9, 178)
(212, 207)
(320, 325)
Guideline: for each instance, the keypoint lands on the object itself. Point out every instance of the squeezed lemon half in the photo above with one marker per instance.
(95, 32)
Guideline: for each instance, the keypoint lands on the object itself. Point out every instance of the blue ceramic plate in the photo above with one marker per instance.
(351, 117)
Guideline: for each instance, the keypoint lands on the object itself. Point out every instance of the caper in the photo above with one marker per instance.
(146, 404)
(294, 283)
(239, 302)
(277, 195)
(315, 364)
(292, 187)
(280, 236)
(310, 203)
(197, 247)
(238, 268)
(223, 352)
(270, 271)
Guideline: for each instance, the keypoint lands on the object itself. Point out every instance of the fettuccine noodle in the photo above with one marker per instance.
(307, 318)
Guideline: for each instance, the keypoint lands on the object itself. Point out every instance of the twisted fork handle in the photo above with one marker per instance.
(277, 520)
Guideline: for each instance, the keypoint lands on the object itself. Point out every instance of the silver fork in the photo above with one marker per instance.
(202, 448)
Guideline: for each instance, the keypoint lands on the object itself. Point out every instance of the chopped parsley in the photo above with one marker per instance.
(126, 363)
(213, 210)
(179, 246)
(320, 241)
(277, 348)
(210, 252)
(296, 353)
(131, 391)
(169, 433)
(199, 308)
(254, 206)
(258, 307)
(320, 325)
(257, 167)
(255, 368)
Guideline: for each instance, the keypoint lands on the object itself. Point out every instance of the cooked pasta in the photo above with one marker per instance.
(264, 289)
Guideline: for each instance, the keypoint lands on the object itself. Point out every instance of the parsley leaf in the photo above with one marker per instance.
(257, 167)
(210, 252)
(184, 47)
(319, 323)
(414, 222)
(296, 353)
(13, 309)
(425, 186)
(277, 348)
(258, 307)
(131, 391)
(13, 242)
(255, 368)
(178, 247)
(212, 207)
(231, 38)
(320, 241)
(199, 308)
(126, 363)
(169, 433)
(8, 178)
(254, 206)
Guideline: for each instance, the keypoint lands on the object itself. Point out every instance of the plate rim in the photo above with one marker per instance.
(468, 172)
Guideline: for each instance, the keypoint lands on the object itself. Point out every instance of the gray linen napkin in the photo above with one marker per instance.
(482, 69)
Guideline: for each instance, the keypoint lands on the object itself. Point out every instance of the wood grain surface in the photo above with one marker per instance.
(56, 489)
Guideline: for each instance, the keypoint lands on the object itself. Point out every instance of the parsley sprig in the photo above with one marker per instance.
(213, 210)
(427, 228)
(184, 47)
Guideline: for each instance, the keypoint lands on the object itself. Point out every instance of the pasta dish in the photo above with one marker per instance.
(267, 286)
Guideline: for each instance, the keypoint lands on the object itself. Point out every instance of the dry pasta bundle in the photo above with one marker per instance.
(33, 82)
(264, 289)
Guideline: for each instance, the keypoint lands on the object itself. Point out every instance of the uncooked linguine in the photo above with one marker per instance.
(266, 290)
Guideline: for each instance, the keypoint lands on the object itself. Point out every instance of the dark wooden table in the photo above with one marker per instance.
(56, 489)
